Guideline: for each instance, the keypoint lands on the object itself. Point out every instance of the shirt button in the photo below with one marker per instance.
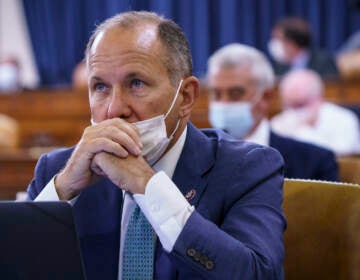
(155, 208)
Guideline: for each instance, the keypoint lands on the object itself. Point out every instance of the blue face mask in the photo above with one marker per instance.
(234, 117)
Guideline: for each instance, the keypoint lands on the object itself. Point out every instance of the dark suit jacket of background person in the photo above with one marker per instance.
(238, 190)
(321, 62)
(304, 160)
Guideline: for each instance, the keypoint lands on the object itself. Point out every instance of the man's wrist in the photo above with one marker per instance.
(64, 193)
(143, 182)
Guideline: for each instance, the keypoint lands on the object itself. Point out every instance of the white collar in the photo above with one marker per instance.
(261, 135)
(301, 60)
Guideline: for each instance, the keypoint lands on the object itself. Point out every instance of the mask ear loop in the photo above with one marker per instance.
(176, 127)
(92, 122)
(174, 100)
(171, 107)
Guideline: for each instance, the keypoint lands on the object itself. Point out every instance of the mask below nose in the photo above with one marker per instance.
(153, 134)
(235, 118)
(153, 137)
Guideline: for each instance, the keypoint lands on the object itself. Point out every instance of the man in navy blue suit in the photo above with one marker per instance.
(240, 80)
(213, 202)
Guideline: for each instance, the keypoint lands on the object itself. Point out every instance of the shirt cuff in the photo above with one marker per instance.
(165, 207)
(49, 193)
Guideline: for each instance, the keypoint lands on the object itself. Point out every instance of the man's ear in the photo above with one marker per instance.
(190, 92)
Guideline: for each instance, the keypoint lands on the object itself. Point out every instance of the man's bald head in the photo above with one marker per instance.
(177, 60)
(300, 87)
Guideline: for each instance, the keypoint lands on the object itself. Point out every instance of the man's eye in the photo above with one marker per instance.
(237, 94)
(99, 87)
(136, 83)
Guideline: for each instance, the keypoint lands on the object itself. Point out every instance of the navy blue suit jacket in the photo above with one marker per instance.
(304, 160)
(236, 231)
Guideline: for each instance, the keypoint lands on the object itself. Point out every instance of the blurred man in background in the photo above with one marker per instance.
(240, 80)
(9, 132)
(9, 75)
(9, 83)
(290, 48)
(307, 117)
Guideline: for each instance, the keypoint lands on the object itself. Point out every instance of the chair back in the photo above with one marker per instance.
(349, 169)
(322, 240)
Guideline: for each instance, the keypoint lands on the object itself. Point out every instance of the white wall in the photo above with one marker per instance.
(15, 40)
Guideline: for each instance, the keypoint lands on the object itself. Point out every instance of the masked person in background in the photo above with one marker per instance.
(153, 196)
(9, 132)
(307, 117)
(9, 75)
(291, 48)
(9, 82)
(240, 82)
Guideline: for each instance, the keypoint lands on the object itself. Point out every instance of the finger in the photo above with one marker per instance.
(124, 133)
(87, 150)
(126, 141)
(97, 169)
(110, 166)
(103, 163)
(104, 144)
(133, 132)
(128, 128)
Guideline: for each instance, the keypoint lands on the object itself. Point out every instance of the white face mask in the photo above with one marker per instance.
(8, 78)
(153, 133)
(277, 50)
(234, 117)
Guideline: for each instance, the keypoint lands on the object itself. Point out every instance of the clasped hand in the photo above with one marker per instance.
(110, 149)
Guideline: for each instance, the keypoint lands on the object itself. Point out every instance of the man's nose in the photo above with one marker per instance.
(118, 106)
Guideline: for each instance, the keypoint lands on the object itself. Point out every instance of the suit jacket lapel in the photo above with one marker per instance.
(196, 159)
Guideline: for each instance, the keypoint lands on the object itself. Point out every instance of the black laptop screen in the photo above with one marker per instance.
(38, 241)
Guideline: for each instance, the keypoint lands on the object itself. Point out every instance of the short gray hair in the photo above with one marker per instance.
(178, 60)
(239, 55)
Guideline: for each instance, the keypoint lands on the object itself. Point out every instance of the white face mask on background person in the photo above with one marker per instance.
(277, 50)
(153, 133)
(235, 117)
(8, 78)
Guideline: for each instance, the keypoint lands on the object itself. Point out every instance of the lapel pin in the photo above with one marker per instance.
(190, 194)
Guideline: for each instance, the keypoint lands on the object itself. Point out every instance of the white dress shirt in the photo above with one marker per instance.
(163, 204)
(300, 61)
(261, 135)
(336, 128)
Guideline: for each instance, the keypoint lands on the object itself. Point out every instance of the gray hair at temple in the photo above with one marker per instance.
(178, 59)
(239, 55)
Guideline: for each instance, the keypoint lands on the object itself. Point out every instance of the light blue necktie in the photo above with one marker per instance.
(139, 248)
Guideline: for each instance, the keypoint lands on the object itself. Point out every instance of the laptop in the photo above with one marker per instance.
(38, 241)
